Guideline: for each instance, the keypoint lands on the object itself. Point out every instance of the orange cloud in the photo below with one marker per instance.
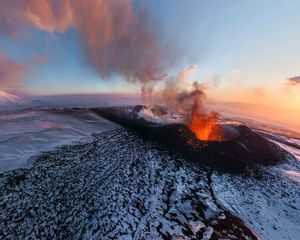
(117, 35)
(47, 15)
(11, 72)
(118, 39)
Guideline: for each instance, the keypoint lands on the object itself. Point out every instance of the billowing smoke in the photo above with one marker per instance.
(187, 100)
(118, 36)
(120, 39)
(179, 96)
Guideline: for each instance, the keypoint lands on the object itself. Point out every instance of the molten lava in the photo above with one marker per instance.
(206, 127)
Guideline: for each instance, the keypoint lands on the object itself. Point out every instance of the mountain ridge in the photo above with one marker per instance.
(8, 98)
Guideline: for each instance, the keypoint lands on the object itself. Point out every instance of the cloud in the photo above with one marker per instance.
(47, 15)
(118, 35)
(11, 72)
(293, 81)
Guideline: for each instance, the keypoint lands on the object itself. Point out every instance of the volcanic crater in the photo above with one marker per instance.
(239, 146)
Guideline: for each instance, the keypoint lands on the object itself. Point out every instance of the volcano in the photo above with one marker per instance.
(240, 144)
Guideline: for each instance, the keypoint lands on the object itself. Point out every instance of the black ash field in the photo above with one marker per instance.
(112, 183)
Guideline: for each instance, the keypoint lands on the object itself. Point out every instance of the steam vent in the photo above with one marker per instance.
(238, 143)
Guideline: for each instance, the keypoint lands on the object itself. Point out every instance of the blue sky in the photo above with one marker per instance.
(258, 40)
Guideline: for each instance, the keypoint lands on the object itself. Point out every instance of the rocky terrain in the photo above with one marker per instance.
(121, 186)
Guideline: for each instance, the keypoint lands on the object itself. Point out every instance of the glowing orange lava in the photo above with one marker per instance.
(206, 127)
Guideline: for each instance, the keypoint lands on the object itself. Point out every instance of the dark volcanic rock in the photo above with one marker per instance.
(245, 148)
(118, 186)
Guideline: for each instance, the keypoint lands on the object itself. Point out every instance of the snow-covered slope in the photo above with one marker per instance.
(9, 101)
(120, 186)
(7, 98)
(24, 133)
(117, 185)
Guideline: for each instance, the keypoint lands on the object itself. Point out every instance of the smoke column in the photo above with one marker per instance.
(179, 95)
(188, 101)
(118, 36)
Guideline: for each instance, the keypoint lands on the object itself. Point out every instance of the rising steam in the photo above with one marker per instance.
(188, 101)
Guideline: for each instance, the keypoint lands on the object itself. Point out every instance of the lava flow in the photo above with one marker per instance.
(206, 127)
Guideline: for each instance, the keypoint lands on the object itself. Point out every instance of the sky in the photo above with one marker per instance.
(247, 51)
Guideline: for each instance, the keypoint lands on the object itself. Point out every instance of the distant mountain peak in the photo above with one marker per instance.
(7, 98)
(9, 101)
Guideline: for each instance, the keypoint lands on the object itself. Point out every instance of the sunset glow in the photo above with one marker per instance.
(244, 51)
(149, 119)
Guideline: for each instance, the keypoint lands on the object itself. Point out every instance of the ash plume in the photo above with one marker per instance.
(118, 36)
(181, 97)
(188, 101)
